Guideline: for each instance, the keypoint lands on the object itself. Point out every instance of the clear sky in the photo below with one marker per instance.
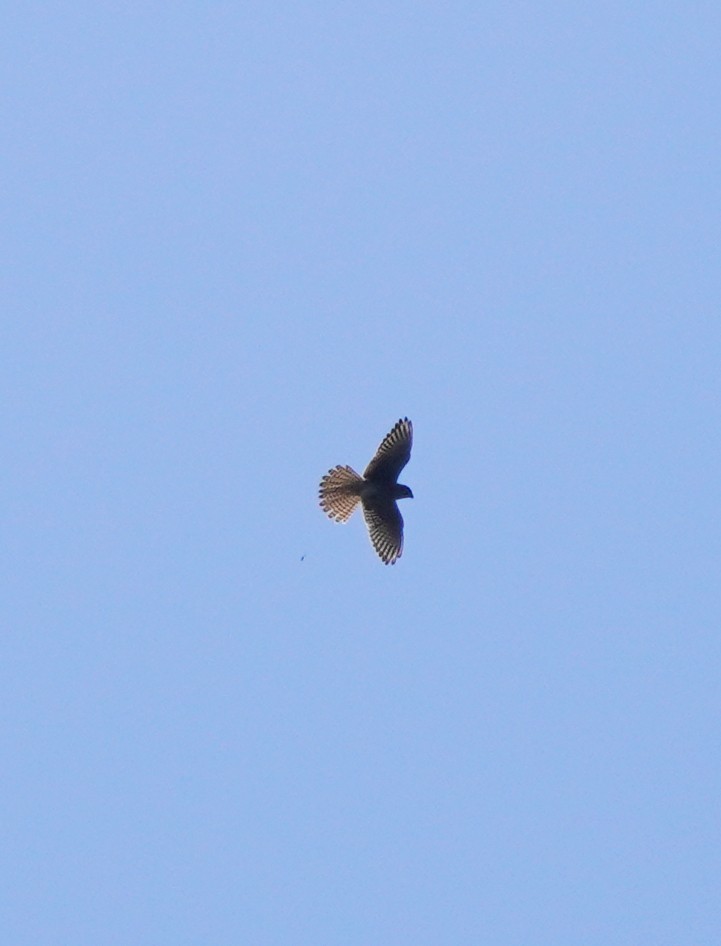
(240, 240)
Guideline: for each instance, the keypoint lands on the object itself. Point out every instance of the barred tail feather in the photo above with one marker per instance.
(340, 492)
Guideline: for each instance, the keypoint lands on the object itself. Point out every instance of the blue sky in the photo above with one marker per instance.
(240, 241)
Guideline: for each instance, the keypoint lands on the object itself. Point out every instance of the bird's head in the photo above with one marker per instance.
(403, 492)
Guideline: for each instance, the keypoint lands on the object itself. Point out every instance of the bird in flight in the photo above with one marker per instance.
(342, 489)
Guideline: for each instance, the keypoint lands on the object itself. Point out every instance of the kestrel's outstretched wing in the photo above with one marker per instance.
(392, 455)
(385, 528)
(340, 492)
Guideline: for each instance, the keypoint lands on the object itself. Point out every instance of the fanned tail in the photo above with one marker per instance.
(340, 492)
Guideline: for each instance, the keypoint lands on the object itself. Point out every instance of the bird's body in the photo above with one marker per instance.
(371, 492)
(342, 490)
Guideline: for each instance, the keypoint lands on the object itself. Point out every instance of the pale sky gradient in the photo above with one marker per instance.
(240, 240)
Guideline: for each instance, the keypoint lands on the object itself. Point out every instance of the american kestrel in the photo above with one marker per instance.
(341, 489)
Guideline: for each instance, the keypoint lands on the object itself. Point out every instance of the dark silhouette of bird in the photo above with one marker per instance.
(342, 489)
